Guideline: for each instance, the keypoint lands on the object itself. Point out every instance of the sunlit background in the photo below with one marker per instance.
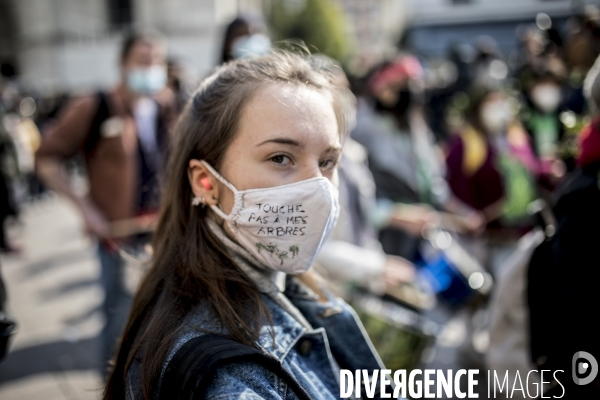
(61, 45)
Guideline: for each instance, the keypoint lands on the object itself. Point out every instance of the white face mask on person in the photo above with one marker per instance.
(546, 97)
(146, 81)
(284, 226)
(495, 116)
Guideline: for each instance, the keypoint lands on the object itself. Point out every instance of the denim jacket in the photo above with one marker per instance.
(312, 356)
(313, 339)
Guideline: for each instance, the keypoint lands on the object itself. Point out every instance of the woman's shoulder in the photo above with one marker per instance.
(200, 320)
(239, 380)
(203, 319)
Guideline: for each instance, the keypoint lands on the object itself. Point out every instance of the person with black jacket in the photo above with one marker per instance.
(564, 272)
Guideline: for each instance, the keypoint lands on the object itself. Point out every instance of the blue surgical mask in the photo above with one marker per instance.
(146, 81)
(251, 46)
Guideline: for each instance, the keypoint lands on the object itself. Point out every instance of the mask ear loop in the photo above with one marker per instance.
(224, 181)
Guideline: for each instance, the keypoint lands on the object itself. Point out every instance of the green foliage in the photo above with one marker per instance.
(320, 24)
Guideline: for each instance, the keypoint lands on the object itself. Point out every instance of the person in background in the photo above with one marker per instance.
(8, 172)
(492, 168)
(545, 93)
(582, 44)
(440, 95)
(245, 36)
(123, 135)
(403, 157)
(353, 254)
(26, 137)
(563, 275)
(591, 90)
(487, 61)
(178, 83)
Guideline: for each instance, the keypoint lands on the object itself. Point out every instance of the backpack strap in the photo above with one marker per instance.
(193, 367)
(102, 114)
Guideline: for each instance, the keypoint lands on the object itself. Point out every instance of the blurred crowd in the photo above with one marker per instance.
(447, 181)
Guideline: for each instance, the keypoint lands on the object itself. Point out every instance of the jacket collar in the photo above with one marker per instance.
(285, 331)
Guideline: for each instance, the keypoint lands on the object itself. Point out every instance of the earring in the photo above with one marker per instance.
(196, 201)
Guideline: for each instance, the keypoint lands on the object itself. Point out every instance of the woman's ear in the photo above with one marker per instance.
(203, 183)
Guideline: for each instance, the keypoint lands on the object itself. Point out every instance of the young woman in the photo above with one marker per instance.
(250, 199)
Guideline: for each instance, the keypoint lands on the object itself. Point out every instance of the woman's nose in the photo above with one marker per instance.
(312, 171)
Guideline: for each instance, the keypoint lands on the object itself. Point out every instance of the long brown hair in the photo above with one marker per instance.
(190, 264)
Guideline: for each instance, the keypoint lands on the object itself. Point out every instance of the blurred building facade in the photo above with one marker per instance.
(72, 45)
(437, 24)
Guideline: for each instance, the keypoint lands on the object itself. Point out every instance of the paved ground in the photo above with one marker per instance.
(54, 297)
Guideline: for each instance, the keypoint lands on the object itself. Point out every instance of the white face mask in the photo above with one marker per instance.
(284, 226)
(546, 97)
(495, 116)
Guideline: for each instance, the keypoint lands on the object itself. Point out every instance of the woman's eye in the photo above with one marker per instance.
(281, 159)
(328, 164)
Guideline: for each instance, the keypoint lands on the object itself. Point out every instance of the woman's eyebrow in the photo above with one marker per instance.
(282, 140)
(334, 149)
